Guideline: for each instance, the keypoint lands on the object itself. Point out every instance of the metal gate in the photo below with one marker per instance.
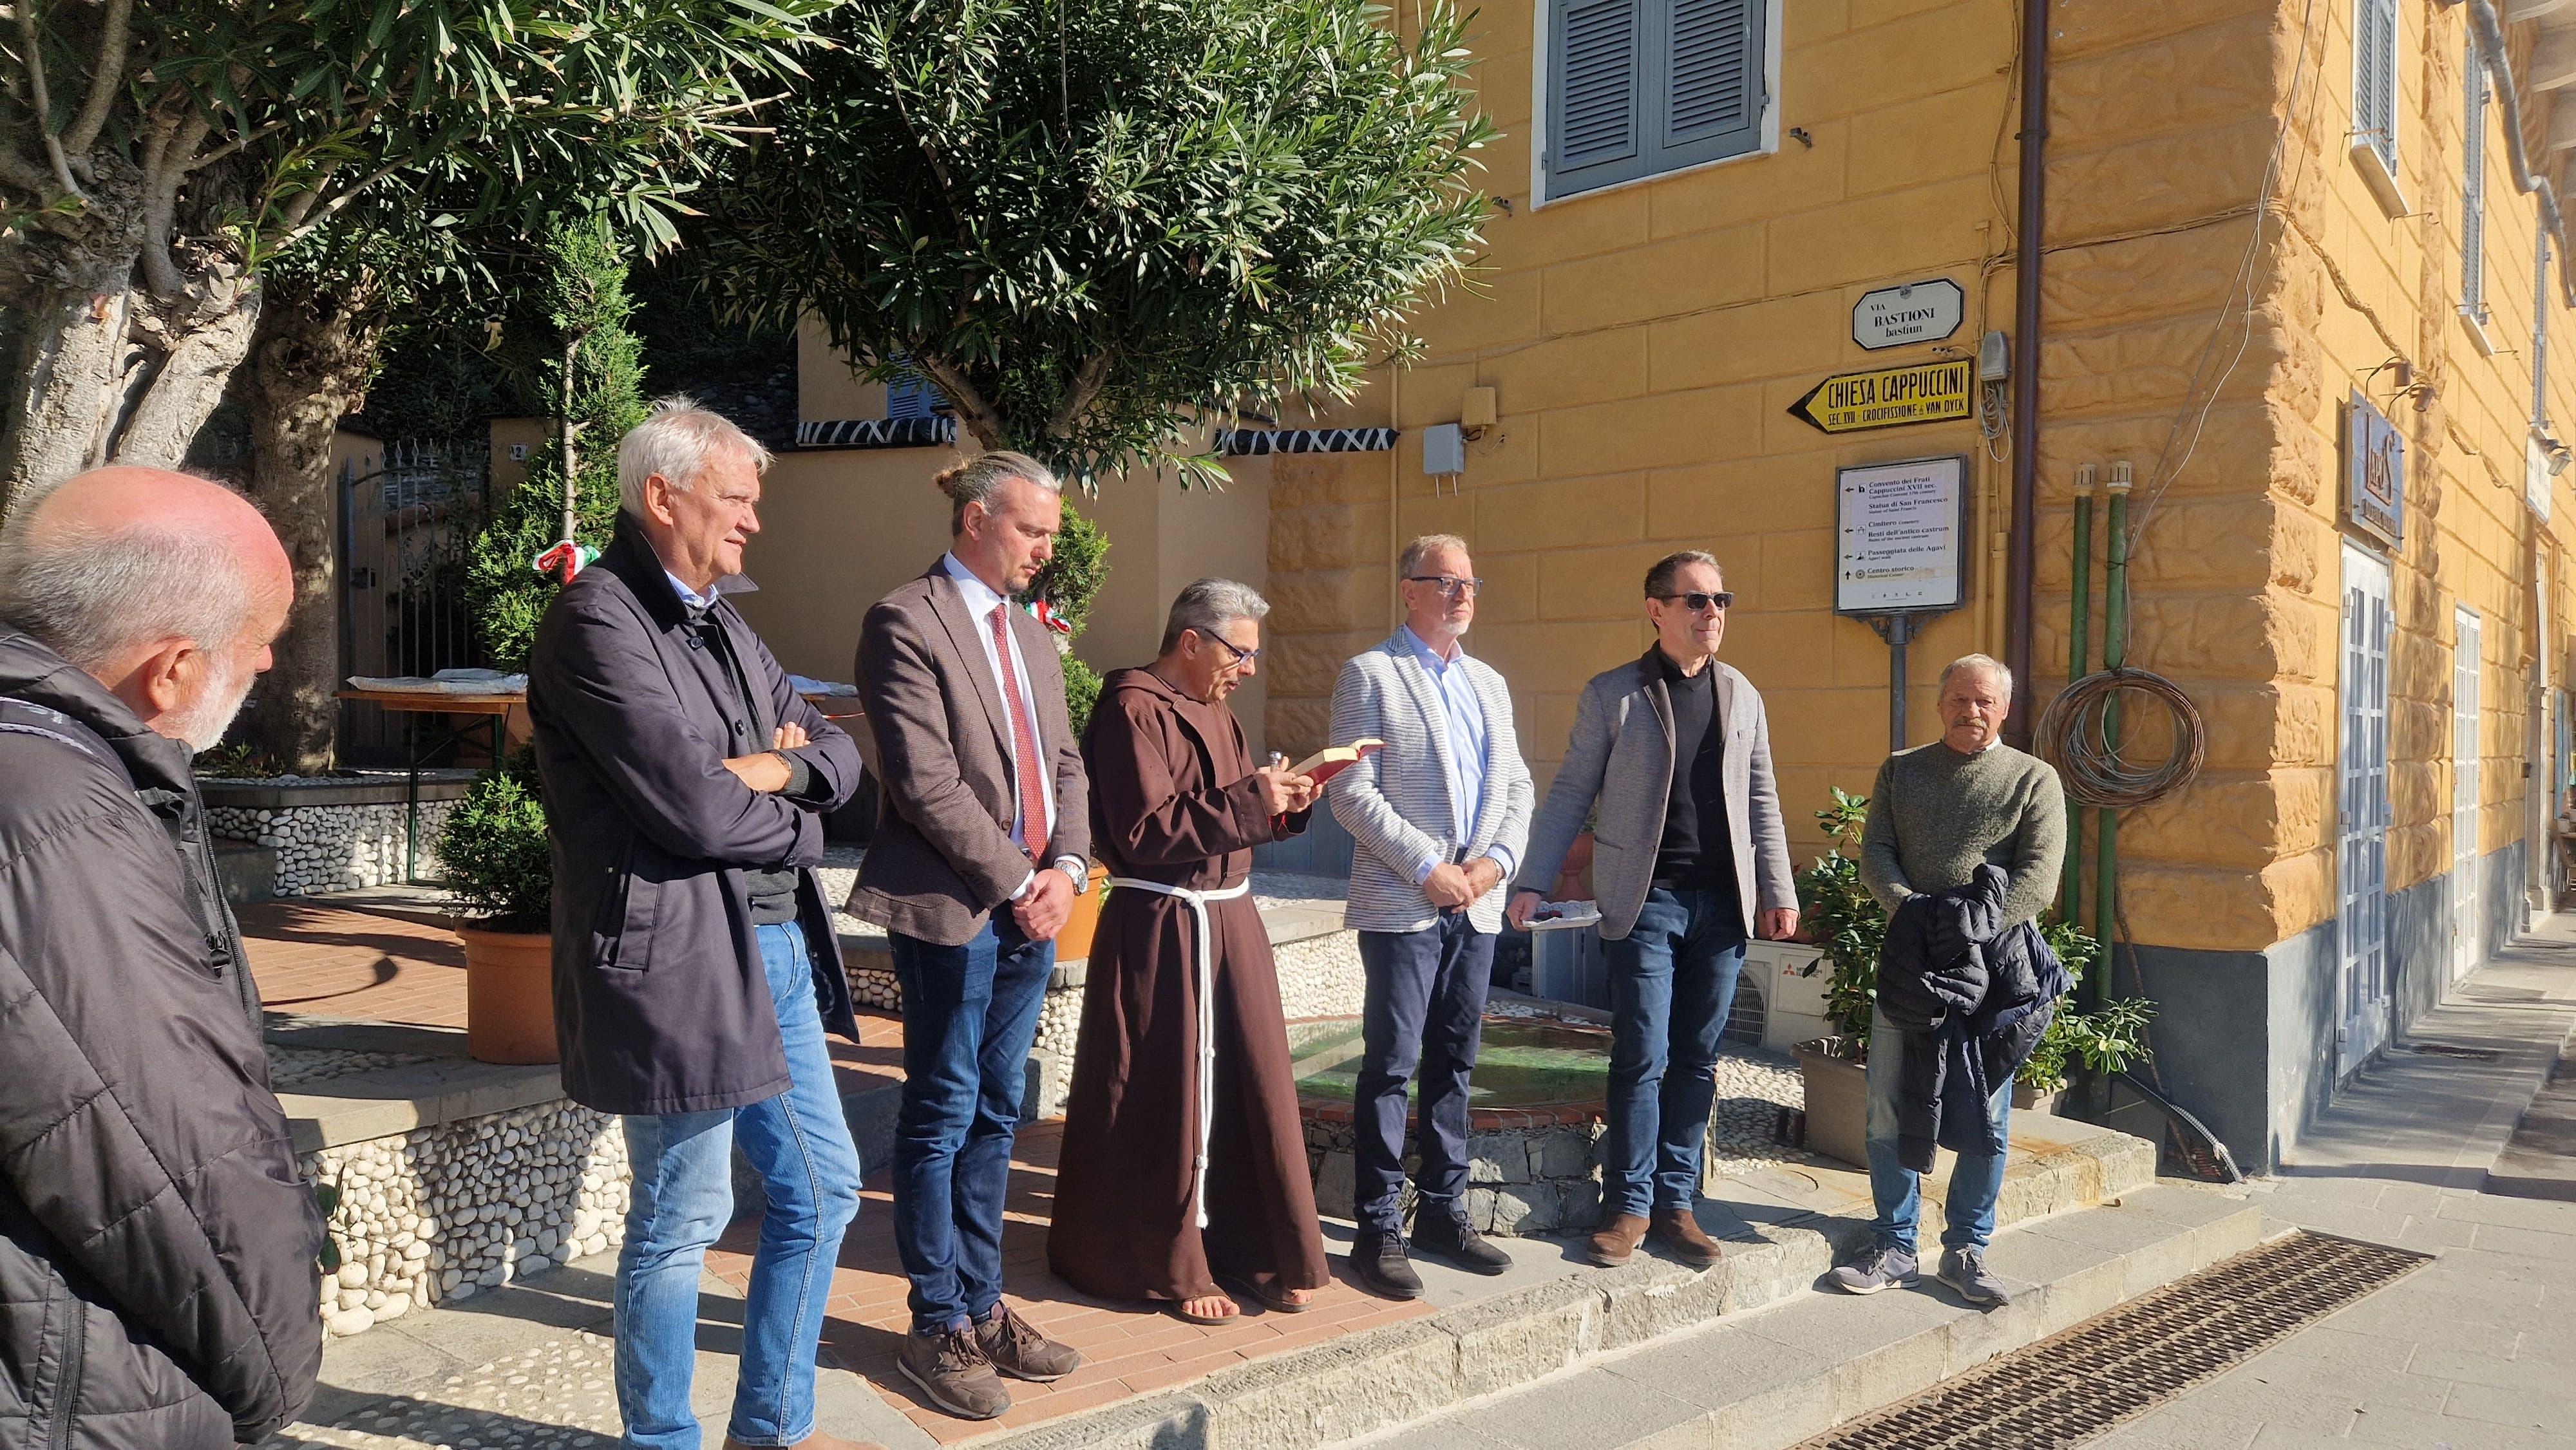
(407, 521)
(2361, 799)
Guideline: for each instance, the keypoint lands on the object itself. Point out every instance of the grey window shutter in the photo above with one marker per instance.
(2374, 81)
(2473, 203)
(1595, 79)
(1716, 76)
(2540, 307)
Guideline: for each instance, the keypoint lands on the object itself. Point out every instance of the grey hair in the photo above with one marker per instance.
(1423, 548)
(1659, 579)
(979, 478)
(91, 594)
(1209, 605)
(1983, 664)
(676, 440)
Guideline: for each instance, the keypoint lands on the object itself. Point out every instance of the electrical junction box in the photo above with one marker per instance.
(1477, 409)
(1994, 358)
(1444, 450)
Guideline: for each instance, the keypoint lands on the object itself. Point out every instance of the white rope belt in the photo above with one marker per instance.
(1197, 902)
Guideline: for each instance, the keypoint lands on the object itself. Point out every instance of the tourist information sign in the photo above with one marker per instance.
(1900, 556)
(1916, 312)
(1891, 397)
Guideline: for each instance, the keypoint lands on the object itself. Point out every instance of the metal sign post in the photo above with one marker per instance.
(1901, 533)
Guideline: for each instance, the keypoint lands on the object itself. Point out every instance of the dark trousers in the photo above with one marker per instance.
(970, 1014)
(1672, 982)
(1423, 1016)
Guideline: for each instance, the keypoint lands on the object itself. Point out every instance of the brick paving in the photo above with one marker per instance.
(1131, 1349)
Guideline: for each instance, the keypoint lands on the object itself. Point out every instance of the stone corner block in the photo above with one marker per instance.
(1174, 1421)
(1334, 1392)
(1648, 1298)
(1514, 1338)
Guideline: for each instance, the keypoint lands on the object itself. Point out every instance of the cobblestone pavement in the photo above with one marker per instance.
(558, 1394)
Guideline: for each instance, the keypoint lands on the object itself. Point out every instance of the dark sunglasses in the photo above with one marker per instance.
(1453, 587)
(1722, 600)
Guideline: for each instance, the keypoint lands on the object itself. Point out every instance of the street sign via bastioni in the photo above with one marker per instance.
(1916, 312)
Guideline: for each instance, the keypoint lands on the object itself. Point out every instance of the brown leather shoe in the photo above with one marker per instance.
(1678, 1229)
(953, 1371)
(1616, 1239)
(1017, 1349)
(816, 1441)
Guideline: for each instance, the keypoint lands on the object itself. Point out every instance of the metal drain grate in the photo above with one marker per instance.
(2066, 1390)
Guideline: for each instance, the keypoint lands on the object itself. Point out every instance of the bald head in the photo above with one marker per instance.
(165, 588)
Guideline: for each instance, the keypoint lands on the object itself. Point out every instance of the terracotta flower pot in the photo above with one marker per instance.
(1837, 1101)
(509, 995)
(1074, 942)
(2027, 1099)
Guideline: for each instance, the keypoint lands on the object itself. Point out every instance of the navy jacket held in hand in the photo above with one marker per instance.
(1973, 1002)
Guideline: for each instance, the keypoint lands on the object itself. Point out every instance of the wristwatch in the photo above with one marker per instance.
(1081, 879)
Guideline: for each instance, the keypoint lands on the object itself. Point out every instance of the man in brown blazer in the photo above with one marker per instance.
(982, 842)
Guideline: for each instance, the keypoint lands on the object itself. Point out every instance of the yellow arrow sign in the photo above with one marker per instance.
(1890, 397)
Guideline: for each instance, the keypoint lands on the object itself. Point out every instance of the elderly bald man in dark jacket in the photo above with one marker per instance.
(158, 1275)
(696, 969)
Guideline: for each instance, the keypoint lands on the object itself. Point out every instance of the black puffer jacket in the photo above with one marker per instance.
(1973, 998)
(158, 1285)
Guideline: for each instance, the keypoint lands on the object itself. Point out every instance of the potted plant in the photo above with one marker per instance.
(1061, 596)
(2101, 1042)
(1846, 922)
(500, 869)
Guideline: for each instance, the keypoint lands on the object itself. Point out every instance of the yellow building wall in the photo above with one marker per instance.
(1646, 342)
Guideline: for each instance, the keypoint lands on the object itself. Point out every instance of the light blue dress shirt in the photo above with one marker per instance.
(688, 596)
(1462, 713)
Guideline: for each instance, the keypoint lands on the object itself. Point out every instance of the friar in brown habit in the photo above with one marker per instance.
(1184, 1161)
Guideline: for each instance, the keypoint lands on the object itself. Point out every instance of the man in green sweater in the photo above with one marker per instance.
(1938, 812)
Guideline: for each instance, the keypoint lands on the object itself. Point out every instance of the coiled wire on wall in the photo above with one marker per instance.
(2075, 734)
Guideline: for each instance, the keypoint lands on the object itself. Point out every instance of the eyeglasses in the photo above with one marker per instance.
(1241, 655)
(1453, 587)
(1721, 601)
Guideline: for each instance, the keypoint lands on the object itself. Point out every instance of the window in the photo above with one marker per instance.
(2473, 201)
(1639, 87)
(2540, 339)
(2374, 99)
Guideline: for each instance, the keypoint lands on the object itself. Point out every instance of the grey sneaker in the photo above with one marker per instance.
(1885, 1268)
(1965, 1270)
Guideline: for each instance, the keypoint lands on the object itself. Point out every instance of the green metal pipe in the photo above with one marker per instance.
(2115, 653)
(2079, 651)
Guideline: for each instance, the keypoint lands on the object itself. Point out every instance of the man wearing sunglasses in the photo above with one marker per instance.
(1689, 859)
(1440, 817)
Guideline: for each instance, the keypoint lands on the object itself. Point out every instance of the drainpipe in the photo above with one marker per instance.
(2079, 652)
(2025, 444)
(2115, 653)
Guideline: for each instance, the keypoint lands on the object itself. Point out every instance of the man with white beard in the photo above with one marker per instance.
(156, 1244)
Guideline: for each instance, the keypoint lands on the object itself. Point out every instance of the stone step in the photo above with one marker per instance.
(1814, 1359)
(1783, 1228)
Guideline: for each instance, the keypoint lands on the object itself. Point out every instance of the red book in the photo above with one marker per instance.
(1323, 765)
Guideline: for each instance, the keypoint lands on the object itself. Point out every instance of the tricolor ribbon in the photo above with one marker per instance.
(565, 557)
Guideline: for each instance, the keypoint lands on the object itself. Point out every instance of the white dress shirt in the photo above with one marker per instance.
(981, 600)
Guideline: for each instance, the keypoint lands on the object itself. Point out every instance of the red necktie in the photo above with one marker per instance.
(1024, 742)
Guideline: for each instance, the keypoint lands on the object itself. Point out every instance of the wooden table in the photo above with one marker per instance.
(493, 707)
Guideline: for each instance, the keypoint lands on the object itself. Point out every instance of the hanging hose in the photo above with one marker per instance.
(2075, 737)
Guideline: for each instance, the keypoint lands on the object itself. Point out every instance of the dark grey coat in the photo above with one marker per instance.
(661, 1004)
(157, 1249)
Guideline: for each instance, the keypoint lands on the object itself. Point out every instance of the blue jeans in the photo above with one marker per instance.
(1672, 982)
(970, 1015)
(682, 1199)
(1975, 1179)
(1424, 1013)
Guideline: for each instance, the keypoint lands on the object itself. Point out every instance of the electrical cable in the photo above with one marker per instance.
(2074, 737)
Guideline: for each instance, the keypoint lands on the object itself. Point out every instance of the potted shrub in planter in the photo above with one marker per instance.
(500, 868)
(1061, 596)
(2106, 1041)
(1845, 921)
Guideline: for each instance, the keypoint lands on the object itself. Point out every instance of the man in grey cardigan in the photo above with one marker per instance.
(1937, 813)
(1440, 817)
(1689, 859)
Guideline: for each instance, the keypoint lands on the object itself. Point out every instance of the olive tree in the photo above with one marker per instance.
(156, 158)
(1095, 223)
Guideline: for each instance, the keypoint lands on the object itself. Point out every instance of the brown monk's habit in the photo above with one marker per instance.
(1173, 800)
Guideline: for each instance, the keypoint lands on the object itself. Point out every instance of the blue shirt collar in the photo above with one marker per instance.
(1430, 656)
(689, 596)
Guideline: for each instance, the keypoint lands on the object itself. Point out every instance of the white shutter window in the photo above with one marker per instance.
(1640, 87)
(2374, 77)
(2540, 338)
(2473, 201)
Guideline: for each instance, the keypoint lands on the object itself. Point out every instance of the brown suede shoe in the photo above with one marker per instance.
(1017, 1349)
(816, 1441)
(1678, 1229)
(1616, 1239)
(952, 1370)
